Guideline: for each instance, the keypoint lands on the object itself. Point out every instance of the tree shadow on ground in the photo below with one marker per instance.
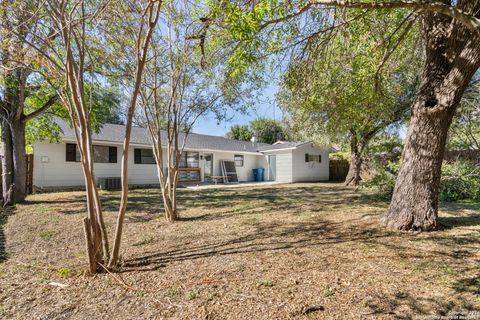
(145, 203)
(403, 305)
(267, 237)
(3, 241)
(469, 284)
(318, 233)
(469, 220)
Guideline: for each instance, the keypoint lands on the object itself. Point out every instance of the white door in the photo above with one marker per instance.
(272, 167)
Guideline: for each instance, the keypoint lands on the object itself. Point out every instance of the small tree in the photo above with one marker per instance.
(180, 86)
(149, 17)
(76, 24)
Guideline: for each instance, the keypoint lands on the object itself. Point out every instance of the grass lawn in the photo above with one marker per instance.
(313, 251)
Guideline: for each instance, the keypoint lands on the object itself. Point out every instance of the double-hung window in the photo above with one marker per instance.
(101, 154)
(238, 158)
(313, 157)
(144, 156)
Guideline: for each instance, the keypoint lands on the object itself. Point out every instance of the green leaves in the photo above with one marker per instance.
(335, 82)
(266, 131)
(239, 132)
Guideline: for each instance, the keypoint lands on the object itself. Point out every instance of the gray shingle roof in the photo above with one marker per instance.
(140, 136)
(280, 146)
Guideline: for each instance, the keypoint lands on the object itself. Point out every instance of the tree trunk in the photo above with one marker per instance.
(452, 58)
(353, 175)
(19, 160)
(7, 165)
(169, 197)
(356, 149)
(414, 204)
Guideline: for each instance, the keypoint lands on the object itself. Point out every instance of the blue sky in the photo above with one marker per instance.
(265, 107)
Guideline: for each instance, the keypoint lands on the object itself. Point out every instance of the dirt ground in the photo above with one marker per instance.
(294, 251)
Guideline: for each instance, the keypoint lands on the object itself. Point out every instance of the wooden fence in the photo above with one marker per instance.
(29, 182)
(29, 173)
(338, 170)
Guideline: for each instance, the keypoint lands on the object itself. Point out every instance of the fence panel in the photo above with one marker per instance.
(29, 177)
(29, 173)
(338, 170)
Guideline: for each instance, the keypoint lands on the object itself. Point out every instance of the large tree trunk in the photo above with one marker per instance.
(452, 58)
(353, 175)
(19, 160)
(414, 204)
(357, 145)
(7, 165)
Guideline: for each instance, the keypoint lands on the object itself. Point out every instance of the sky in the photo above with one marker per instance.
(265, 107)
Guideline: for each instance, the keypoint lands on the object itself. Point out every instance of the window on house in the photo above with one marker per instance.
(313, 157)
(238, 160)
(101, 154)
(72, 153)
(104, 154)
(144, 156)
(189, 160)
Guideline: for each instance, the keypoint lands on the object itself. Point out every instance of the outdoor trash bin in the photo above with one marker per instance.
(258, 174)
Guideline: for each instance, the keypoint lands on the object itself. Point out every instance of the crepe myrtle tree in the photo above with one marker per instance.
(68, 56)
(451, 34)
(182, 83)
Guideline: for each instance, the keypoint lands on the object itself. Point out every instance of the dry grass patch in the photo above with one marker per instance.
(288, 251)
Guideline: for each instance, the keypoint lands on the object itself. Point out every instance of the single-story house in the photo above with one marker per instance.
(57, 164)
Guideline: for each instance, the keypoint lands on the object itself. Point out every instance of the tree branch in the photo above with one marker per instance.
(50, 102)
(468, 20)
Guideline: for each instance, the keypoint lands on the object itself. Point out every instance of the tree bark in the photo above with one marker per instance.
(153, 13)
(354, 170)
(414, 203)
(357, 146)
(19, 160)
(452, 58)
(7, 165)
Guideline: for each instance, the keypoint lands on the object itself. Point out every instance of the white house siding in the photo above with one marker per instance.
(244, 173)
(55, 172)
(58, 172)
(284, 166)
(138, 173)
(309, 171)
(262, 162)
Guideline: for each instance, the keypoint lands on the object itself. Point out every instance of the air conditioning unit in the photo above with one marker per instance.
(110, 183)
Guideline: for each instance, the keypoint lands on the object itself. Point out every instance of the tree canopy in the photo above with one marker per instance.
(239, 132)
(264, 129)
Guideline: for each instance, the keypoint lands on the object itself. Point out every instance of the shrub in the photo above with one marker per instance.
(460, 180)
(384, 178)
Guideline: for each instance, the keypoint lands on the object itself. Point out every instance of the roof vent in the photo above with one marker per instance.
(254, 141)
